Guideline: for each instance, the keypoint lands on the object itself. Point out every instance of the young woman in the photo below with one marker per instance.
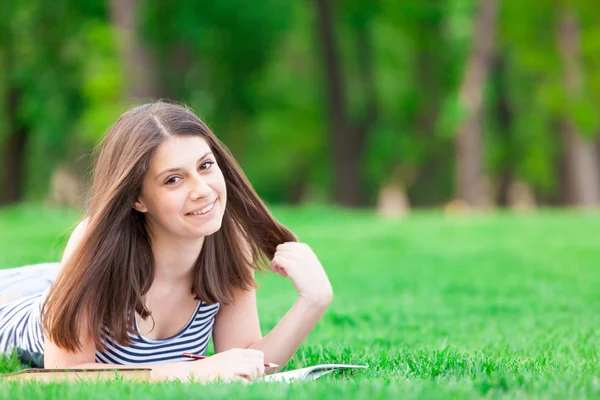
(165, 258)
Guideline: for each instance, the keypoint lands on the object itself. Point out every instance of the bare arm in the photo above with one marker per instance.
(286, 337)
(237, 325)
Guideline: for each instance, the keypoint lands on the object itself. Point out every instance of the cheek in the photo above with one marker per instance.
(217, 181)
(221, 186)
(168, 203)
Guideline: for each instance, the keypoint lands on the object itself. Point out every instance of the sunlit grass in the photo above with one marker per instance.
(437, 306)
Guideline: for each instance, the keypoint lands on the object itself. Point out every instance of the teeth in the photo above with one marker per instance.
(204, 210)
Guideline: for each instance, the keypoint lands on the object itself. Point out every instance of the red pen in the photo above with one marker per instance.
(198, 357)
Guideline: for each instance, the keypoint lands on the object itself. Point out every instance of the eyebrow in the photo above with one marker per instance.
(178, 168)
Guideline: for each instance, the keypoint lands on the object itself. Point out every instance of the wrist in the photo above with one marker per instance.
(182, 370)
(318, 303)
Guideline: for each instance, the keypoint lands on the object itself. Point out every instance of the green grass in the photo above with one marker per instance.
(495, 305)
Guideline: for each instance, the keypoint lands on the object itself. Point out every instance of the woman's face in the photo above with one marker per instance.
(183, 193)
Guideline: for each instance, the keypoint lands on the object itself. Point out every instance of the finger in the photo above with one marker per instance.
(288, 246)
(287, 252)
(291, 245)
(285, 257)
(248, 370)
(273, 264)
(279, 262)
(261, 369)
(238, 378)
(285, 262)
(275, 269)
(281, 246)
(282, 259)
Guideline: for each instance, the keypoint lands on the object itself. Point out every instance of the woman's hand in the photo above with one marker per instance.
(299, 262)
(230, 365)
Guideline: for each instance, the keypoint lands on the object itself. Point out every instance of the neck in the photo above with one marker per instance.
(174, 258)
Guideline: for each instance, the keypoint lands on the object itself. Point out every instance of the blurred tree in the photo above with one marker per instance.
(364, 116)
(288, 159)
(468, 140)
(397, 81)
(502, 113)
(39, 89)
(522, 142)
(415, 70)
(140, 65)
(581, 158)
(15, 138)
(345, 140)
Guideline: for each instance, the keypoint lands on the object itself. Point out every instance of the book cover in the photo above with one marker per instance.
(76, 374)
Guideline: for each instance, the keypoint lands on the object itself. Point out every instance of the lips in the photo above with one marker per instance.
(203, 210)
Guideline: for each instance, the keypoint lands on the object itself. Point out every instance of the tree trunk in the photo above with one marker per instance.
(468, 140)
(429, 184)
(364, 59)
(178, 69)
(140, 66)
(12, 152)
(504, 120)
(345, 141)
(13, 160)
(581, 159)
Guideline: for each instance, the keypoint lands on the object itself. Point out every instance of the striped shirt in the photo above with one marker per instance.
(20, 327)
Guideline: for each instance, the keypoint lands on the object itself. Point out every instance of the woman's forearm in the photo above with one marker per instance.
(285, 338)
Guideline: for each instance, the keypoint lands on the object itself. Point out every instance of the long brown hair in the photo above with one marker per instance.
(112, 268)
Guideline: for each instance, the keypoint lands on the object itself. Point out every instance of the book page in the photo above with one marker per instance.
(308, 373)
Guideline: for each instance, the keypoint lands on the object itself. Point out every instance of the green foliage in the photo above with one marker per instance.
(222, 61)
(255, 73)
(103, 82)
(457, 32)
(287, 146)
(42, 58)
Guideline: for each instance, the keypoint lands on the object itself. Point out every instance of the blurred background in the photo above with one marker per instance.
(460, 104)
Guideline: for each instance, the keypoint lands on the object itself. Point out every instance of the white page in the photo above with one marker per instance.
(308, 373)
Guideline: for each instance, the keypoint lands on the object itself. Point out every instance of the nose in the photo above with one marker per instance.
(199, 188)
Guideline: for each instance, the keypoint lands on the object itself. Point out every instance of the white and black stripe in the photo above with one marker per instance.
(193, 338)
(20, 326)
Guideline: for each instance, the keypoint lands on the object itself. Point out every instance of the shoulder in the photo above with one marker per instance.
(81, 228)
(75, 239)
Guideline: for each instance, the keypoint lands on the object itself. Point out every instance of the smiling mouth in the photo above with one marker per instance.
(204, 210)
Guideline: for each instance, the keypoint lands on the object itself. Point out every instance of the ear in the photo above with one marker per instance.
(139, 205)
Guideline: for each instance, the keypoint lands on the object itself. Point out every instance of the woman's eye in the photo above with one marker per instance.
(172, 180)
(210, 163)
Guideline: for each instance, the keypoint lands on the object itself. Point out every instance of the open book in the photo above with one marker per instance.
(143, 374)
(308, 373)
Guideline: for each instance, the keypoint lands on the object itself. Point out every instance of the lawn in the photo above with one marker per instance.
(497, 305)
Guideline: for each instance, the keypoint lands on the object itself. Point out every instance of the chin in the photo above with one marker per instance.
(209, 229)
(212, 232)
